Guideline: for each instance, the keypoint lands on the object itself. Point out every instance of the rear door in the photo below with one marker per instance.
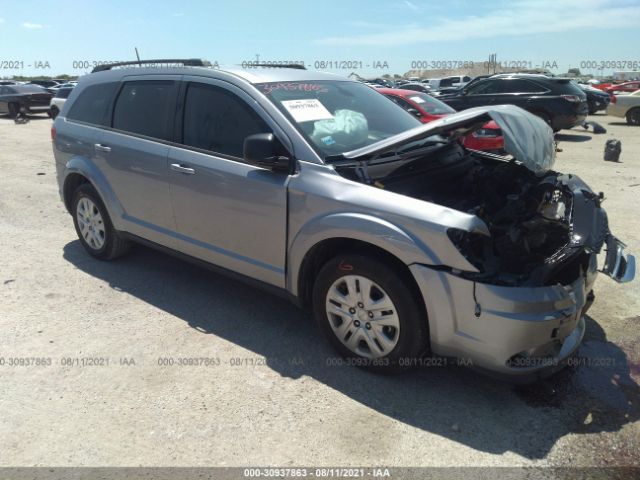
(134, 153)
(3, 102)
(227, 212)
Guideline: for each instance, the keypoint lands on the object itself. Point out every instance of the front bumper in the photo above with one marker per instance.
(518, 332)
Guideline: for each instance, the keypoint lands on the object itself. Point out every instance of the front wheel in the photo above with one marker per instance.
(369, 312)
(633, 116)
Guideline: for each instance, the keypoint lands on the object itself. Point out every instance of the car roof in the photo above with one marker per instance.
(252, 75)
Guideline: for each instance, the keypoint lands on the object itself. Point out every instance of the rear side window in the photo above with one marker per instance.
(63, 92)
(519, 86)
(146, 108)
(92, 104)
(484, 87)
(219, 121)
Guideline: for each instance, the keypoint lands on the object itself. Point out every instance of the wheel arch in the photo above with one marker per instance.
(324, 238)
(329, 248)
(80, 170)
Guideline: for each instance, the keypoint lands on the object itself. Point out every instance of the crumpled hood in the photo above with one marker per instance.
(528, 138)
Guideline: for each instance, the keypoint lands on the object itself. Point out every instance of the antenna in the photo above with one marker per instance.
(137, 55)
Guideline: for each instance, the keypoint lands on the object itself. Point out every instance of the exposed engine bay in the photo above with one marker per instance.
(544, 227)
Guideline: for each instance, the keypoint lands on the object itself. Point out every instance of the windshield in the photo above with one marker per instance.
(430, 104)
(337, 116)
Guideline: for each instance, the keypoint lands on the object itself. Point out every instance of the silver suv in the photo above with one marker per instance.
(402, 242)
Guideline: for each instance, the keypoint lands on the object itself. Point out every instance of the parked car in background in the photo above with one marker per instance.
(43, 83)
(596, 99)
(447, 84)
(7, 82)
(23, 98)
(558, 101)
(626, 106)
(58, 100)
(626, 87)
(427, 109)
(416, 87)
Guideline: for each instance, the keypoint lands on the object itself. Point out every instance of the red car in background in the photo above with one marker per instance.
(626, 87)
(427, 109)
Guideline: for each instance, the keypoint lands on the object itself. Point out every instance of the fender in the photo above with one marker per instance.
(356, 226)
(85, 167)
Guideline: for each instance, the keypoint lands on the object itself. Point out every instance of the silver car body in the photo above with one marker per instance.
(263, 224)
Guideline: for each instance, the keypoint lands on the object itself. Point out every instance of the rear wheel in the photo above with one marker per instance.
(633, 116)
(369, 313)
(94, 227)
(14, 109)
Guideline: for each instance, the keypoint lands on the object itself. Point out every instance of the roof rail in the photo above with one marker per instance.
(187, 62)
(296, 66)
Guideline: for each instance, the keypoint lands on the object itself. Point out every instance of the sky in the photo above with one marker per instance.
(369, 37)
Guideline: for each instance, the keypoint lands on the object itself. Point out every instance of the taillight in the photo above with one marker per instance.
(53, 133)
(613, 99)
(572, 98)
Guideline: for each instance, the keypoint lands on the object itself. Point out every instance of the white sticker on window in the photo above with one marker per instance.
(417, 99)
(307, 110)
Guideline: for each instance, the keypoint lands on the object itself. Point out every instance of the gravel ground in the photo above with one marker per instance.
(268, 396)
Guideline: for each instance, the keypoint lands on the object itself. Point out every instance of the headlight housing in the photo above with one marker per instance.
(473, 246)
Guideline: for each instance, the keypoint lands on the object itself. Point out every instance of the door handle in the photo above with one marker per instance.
(102, 148)
(176, 167)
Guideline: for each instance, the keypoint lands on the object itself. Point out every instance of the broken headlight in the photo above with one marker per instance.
(472, 246)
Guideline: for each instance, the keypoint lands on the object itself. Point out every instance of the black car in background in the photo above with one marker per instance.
(23, 98)
(44, 83)
(596, 99)
(558, 101)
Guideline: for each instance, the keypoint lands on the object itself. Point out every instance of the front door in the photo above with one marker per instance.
(227, 212)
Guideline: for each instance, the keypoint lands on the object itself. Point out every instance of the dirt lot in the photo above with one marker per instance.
(268, 396)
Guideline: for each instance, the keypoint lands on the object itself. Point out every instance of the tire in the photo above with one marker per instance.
(94, 227)
(53, 112)
(348, 320)
(14, 110)
(633, 116)
(546, 119)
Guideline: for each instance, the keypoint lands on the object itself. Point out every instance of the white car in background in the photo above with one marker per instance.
(59, 98)
(626, 106)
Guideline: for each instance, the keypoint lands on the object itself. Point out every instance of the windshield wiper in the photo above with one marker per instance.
(387, 157)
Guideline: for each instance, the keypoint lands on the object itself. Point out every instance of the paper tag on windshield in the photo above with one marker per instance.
(417, 99)
(307, 110)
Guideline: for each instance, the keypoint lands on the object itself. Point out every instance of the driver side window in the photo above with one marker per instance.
(483, 87)
(219, 121)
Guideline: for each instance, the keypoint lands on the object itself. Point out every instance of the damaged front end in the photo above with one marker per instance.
(543, 225)
(522, 309)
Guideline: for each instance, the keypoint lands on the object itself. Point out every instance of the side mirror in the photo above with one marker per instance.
(465, 91)
(414, 112)
(265, 151)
